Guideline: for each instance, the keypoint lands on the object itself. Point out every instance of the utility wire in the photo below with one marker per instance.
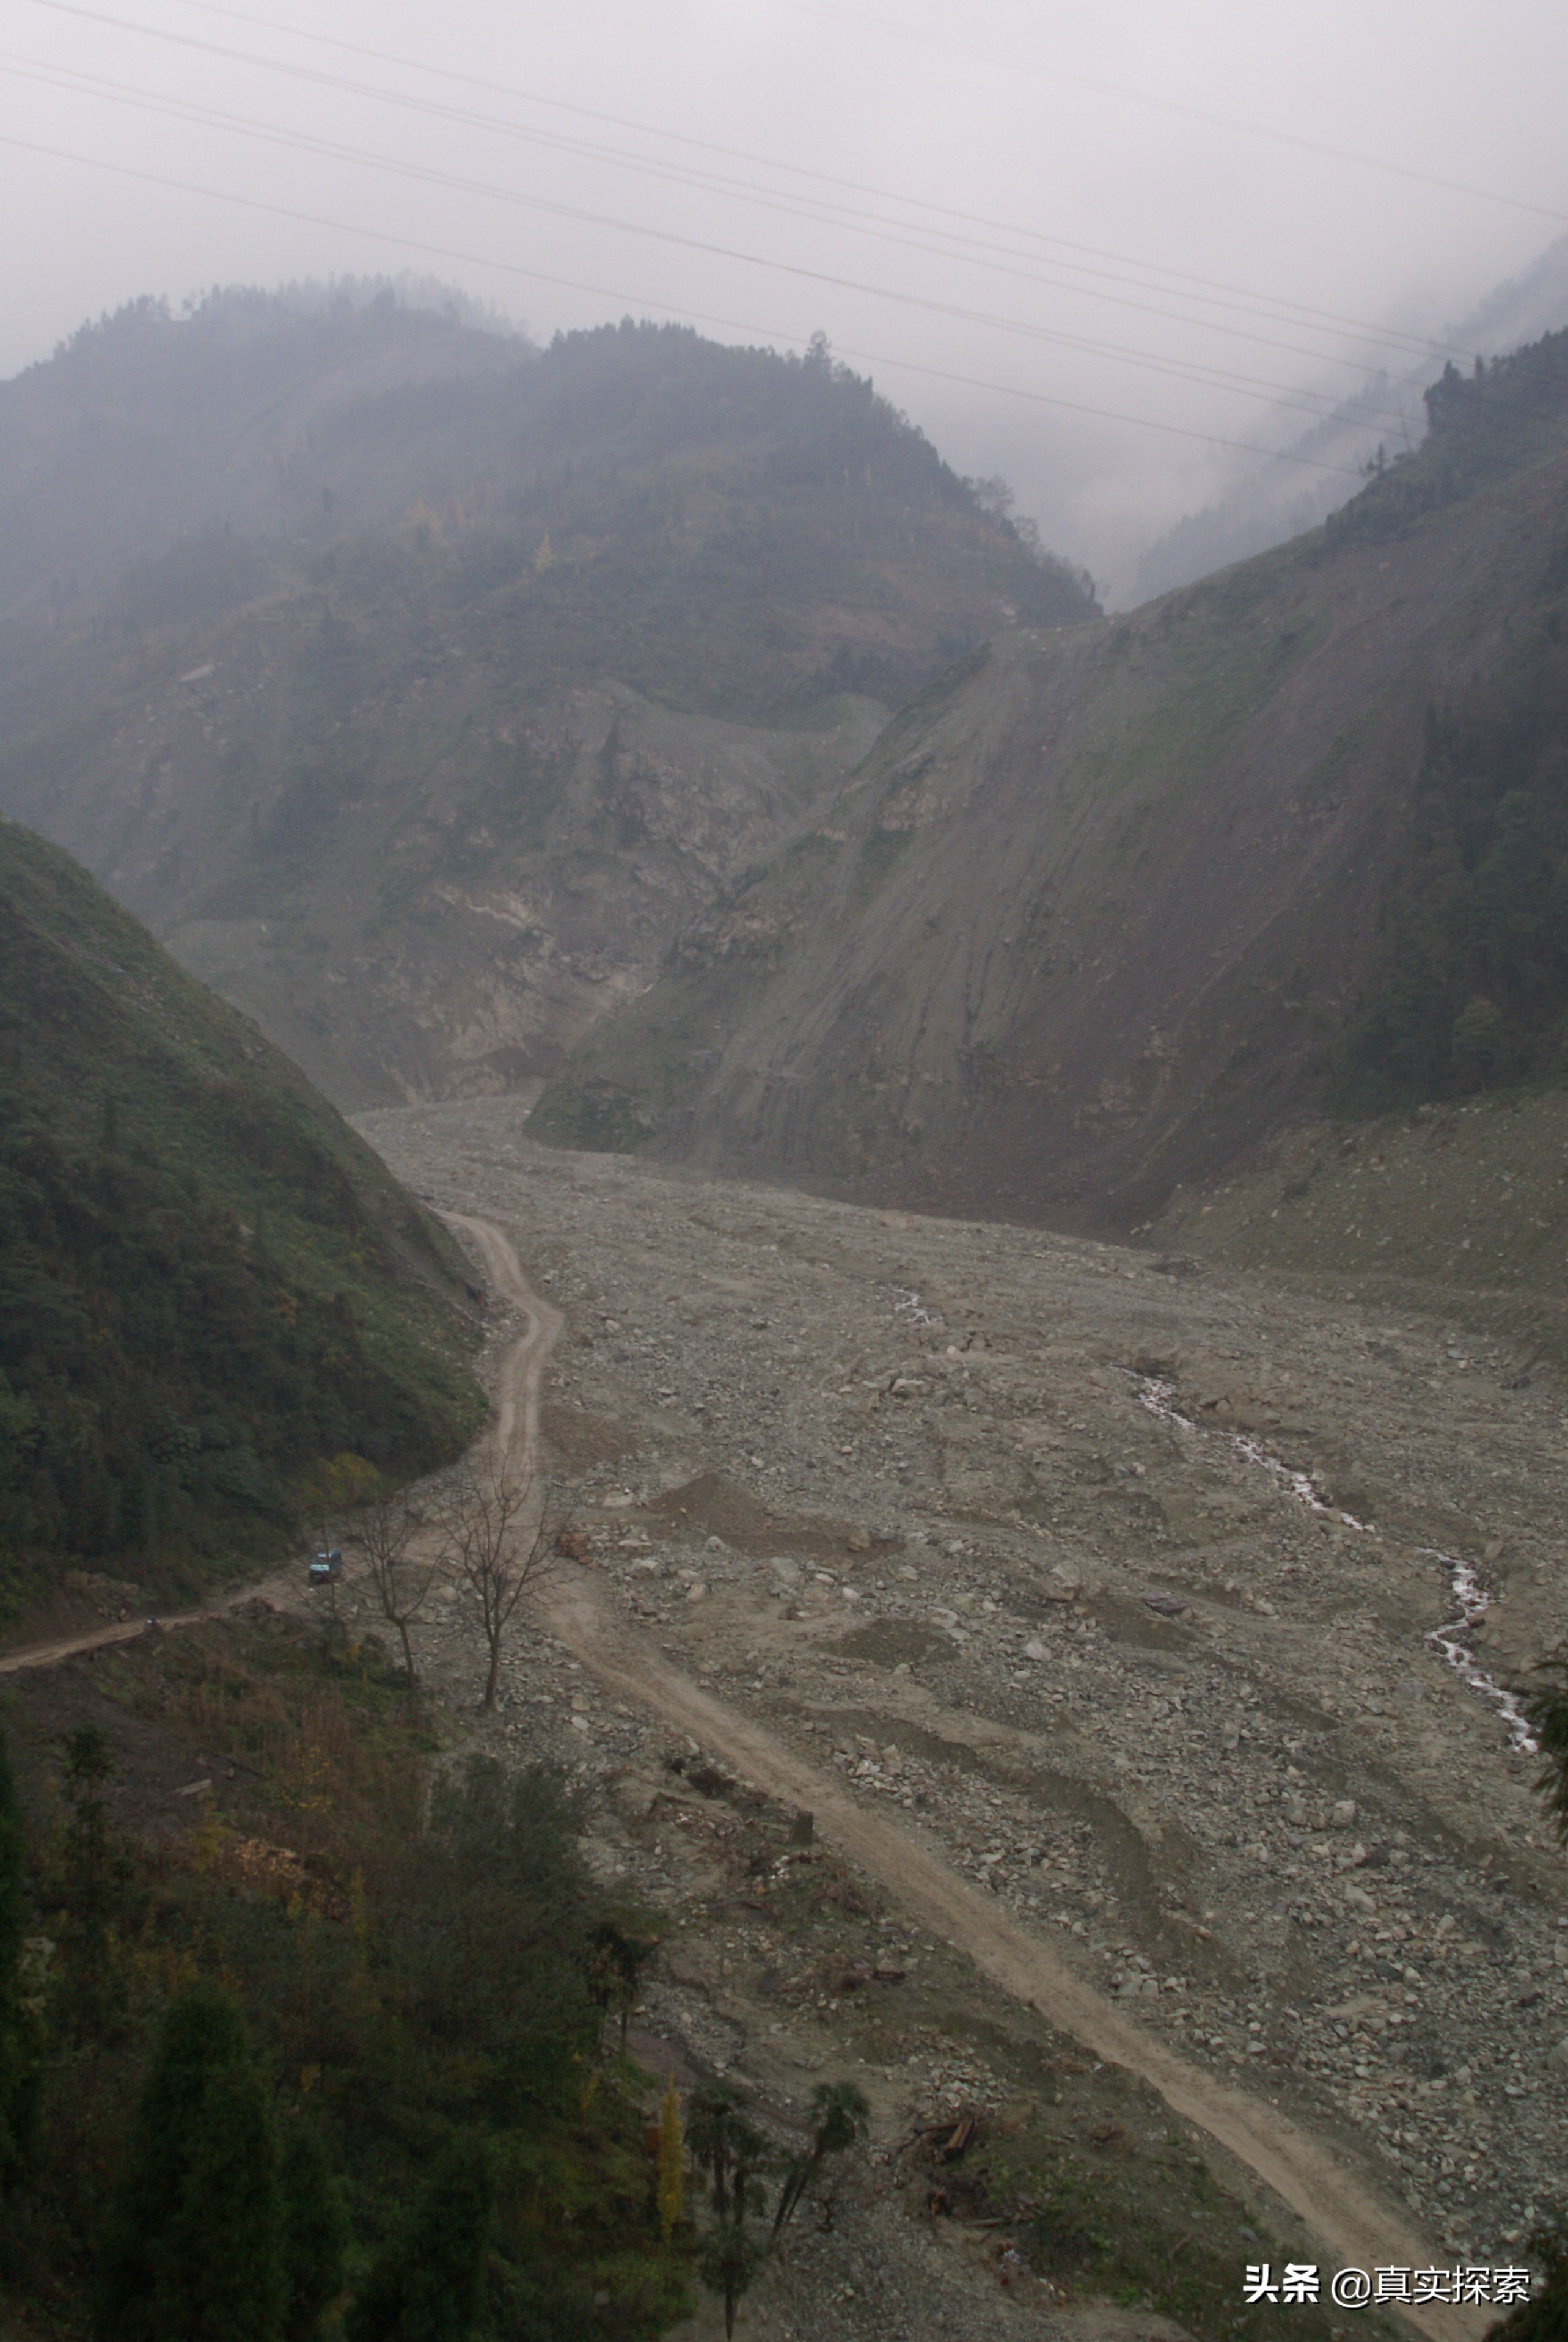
(696, 316)
(1285, 395)
(1176, 105)
(1275, 308)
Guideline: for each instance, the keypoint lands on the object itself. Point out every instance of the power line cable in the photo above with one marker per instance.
(1425, 344)
(1275, 308)
(696, 316)
(1212, 120)
(1285, 395)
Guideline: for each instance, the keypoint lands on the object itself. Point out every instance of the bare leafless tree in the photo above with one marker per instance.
(499, 1537)
(386, 1533)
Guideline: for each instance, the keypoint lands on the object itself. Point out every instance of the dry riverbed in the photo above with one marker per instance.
(894, 1488)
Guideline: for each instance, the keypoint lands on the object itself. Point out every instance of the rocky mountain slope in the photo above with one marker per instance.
(208, 1283)
(458, 675)
(1106, 908)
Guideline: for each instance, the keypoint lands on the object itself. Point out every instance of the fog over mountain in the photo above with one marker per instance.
(1103, 254)
(875, 1248)
(417, 685)
(1274, 500)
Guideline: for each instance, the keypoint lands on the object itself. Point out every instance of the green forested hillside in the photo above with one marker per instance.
(146, 467)
(732, 529)
(1480, 427)
(207, 1282)
(727, 530)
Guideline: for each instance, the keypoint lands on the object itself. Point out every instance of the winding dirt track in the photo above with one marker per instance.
(1356, 2226)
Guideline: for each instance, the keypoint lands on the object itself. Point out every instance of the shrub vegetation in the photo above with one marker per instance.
(342, 2069)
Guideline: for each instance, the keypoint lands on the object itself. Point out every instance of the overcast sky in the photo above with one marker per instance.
(1198, 213)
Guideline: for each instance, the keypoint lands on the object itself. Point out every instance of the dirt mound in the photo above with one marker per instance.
(719, 1506)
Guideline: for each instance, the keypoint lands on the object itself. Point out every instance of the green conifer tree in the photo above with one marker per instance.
(315, 2233)
(220, 2272)
(428, 2284)
(194, 2241)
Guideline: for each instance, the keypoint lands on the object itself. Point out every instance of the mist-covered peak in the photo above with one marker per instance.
(1317, 473)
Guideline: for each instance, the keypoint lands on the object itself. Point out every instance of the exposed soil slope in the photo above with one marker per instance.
(1090, 920)
(1461, 1206)
(450, 678)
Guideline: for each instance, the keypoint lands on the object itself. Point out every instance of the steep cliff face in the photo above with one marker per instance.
(1092, 919)
(437, 701)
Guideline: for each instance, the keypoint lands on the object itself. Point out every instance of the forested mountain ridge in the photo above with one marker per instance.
(208, 1283)
(425, 760)
(158, 464)
(1106, 908)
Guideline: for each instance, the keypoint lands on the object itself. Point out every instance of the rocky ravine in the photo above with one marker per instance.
(892, 1488)
(1086, 923)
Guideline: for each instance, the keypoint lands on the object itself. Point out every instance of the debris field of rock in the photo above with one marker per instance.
(888, 1483)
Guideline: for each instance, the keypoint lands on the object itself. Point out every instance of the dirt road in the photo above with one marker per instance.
(1356, 2226)
(283, 1591)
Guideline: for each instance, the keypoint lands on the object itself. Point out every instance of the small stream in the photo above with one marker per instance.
(910, 1304)
(1470, 1598)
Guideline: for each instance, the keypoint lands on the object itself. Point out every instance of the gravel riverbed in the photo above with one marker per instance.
(892, 1483)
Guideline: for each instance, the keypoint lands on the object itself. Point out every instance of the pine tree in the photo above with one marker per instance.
(315, 2233)
(220, 2274)
(194, 2242)
(428, 2284)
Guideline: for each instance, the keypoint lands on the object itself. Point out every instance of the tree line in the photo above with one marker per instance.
(370, 2084)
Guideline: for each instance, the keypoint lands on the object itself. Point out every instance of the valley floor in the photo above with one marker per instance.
(977, 1523)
